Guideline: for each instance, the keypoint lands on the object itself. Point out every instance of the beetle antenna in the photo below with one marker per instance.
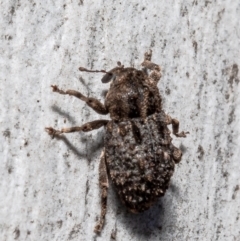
(93, 71)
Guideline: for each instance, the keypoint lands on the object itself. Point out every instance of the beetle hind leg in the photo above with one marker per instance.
(103, 182)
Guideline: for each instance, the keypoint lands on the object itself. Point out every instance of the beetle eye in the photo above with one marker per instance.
(107, 77)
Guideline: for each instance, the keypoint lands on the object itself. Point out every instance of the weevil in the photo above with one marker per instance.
(138, 154)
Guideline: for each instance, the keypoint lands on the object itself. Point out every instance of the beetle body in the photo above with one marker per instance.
(140, 159)
(138, 155)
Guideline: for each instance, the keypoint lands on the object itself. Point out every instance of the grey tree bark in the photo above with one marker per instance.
(49, 188)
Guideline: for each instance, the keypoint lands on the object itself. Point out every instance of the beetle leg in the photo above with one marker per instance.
(155, 74)
(151, 82)
(148, 55)
(91, 102)
(175, 128)
(89, 126)
(103, 182)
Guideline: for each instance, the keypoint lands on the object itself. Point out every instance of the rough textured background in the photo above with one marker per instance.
(49, 188)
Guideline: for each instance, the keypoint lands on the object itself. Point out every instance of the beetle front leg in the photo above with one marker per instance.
(91, 102)
(103, 182)
(85, 128)
(155, 74)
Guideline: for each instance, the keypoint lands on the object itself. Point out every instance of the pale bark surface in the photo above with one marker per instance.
(49, 188)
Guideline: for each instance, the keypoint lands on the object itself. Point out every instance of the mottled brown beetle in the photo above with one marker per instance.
(138, 155)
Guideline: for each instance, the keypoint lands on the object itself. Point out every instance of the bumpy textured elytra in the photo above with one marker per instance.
(138, 156)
